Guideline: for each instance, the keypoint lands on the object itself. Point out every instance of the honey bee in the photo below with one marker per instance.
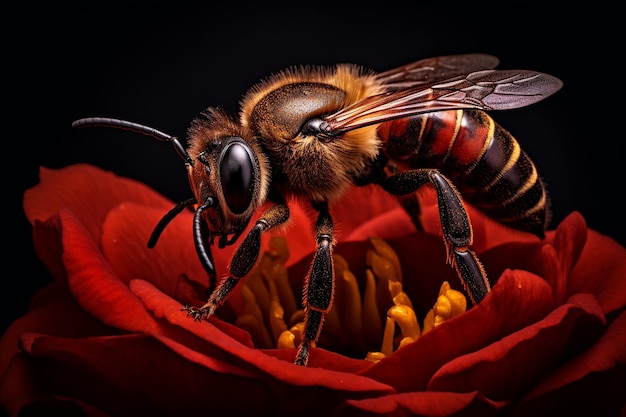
(312, 132)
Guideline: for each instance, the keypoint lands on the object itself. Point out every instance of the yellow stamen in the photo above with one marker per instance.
(404, 316)
(267, 308)
(371, 314)
(257, 330)
(450, 303)
(391, 268)
(387, 345)
(384, 264)
(399, 296)
(292, 337)
(277, 319)
(274, 271)
(286, 340)
(429, 321)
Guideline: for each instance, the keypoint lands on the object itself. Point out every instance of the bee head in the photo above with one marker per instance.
(227, 169)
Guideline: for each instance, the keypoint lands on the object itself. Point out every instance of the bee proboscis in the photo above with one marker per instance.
(311, 132)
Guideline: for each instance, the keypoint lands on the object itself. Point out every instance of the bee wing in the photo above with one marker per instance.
(430, 70)
(483, 90)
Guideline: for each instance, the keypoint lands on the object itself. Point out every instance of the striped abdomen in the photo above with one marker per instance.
(483, 160)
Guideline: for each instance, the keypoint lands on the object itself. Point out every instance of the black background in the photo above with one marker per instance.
(162, 64)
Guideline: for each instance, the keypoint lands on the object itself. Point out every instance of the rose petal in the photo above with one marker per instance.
(495, 370)
(48, 245)
(395, 222)
(108, 373)
(601, 270)
(54, 312)
(360, 204)
(598, 373)
(152, 296)
(392, 224)
(95, 286)
(125, 235)
(88, 191)
(561, 255)
(424, 404)
(60, 406)
(128, 227)
(519, 299)
(423, 262)
(169, 309)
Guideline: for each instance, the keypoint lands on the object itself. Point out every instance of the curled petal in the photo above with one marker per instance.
(88, 191)
(126, 231)
(495, 371)
(427, 403)
(519, 299)
(48, 245)
(109, 374)
(601, 270)
(599, 369)
(256, 359)
(395, 222)
(52, 311)
(95, 285)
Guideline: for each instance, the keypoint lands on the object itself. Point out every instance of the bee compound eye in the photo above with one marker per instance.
(237, 173)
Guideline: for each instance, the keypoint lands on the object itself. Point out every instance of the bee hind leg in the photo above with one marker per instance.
(455, 225)
(319, 286)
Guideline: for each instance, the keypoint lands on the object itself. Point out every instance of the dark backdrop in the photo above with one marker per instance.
(162, 65)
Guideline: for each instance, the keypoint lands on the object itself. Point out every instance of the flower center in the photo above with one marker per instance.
(372, 324)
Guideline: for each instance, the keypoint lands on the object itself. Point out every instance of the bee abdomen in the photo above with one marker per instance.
(482, 159)
(505, 185)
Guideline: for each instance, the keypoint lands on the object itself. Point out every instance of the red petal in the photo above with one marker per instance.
(138, 375)
(271, 367)
(389, 225)
(560, 256)
(48, 245)
(424, 267)
(395, 222)
(601, 270)
(88, 191)
(150, 295)
(508, 368)
(125, 235)
(359, 205)
(424, 404)
(53, 312)
(519, 299)
(95, 286)
(298, 232)
(489, 234)
(597, 365)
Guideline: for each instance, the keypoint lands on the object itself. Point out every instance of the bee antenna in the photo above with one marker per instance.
(137, 128)
(165, 220)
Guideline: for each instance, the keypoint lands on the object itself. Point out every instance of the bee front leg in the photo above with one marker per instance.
(244, 259)
(319, 287)
(455, 225)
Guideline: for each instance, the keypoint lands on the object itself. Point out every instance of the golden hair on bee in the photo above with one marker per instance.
(276, 109)
(355, 81)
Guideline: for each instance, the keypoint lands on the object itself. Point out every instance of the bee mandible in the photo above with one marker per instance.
(312, 132)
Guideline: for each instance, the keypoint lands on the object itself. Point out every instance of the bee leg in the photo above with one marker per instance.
(455, 225)
(244, 259)
(319, 287)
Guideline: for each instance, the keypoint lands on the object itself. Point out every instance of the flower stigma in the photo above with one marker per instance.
(268, 307)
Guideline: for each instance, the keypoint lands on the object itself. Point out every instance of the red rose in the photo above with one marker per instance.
(108, 336)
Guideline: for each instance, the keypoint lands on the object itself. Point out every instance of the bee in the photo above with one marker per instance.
(312, 132)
